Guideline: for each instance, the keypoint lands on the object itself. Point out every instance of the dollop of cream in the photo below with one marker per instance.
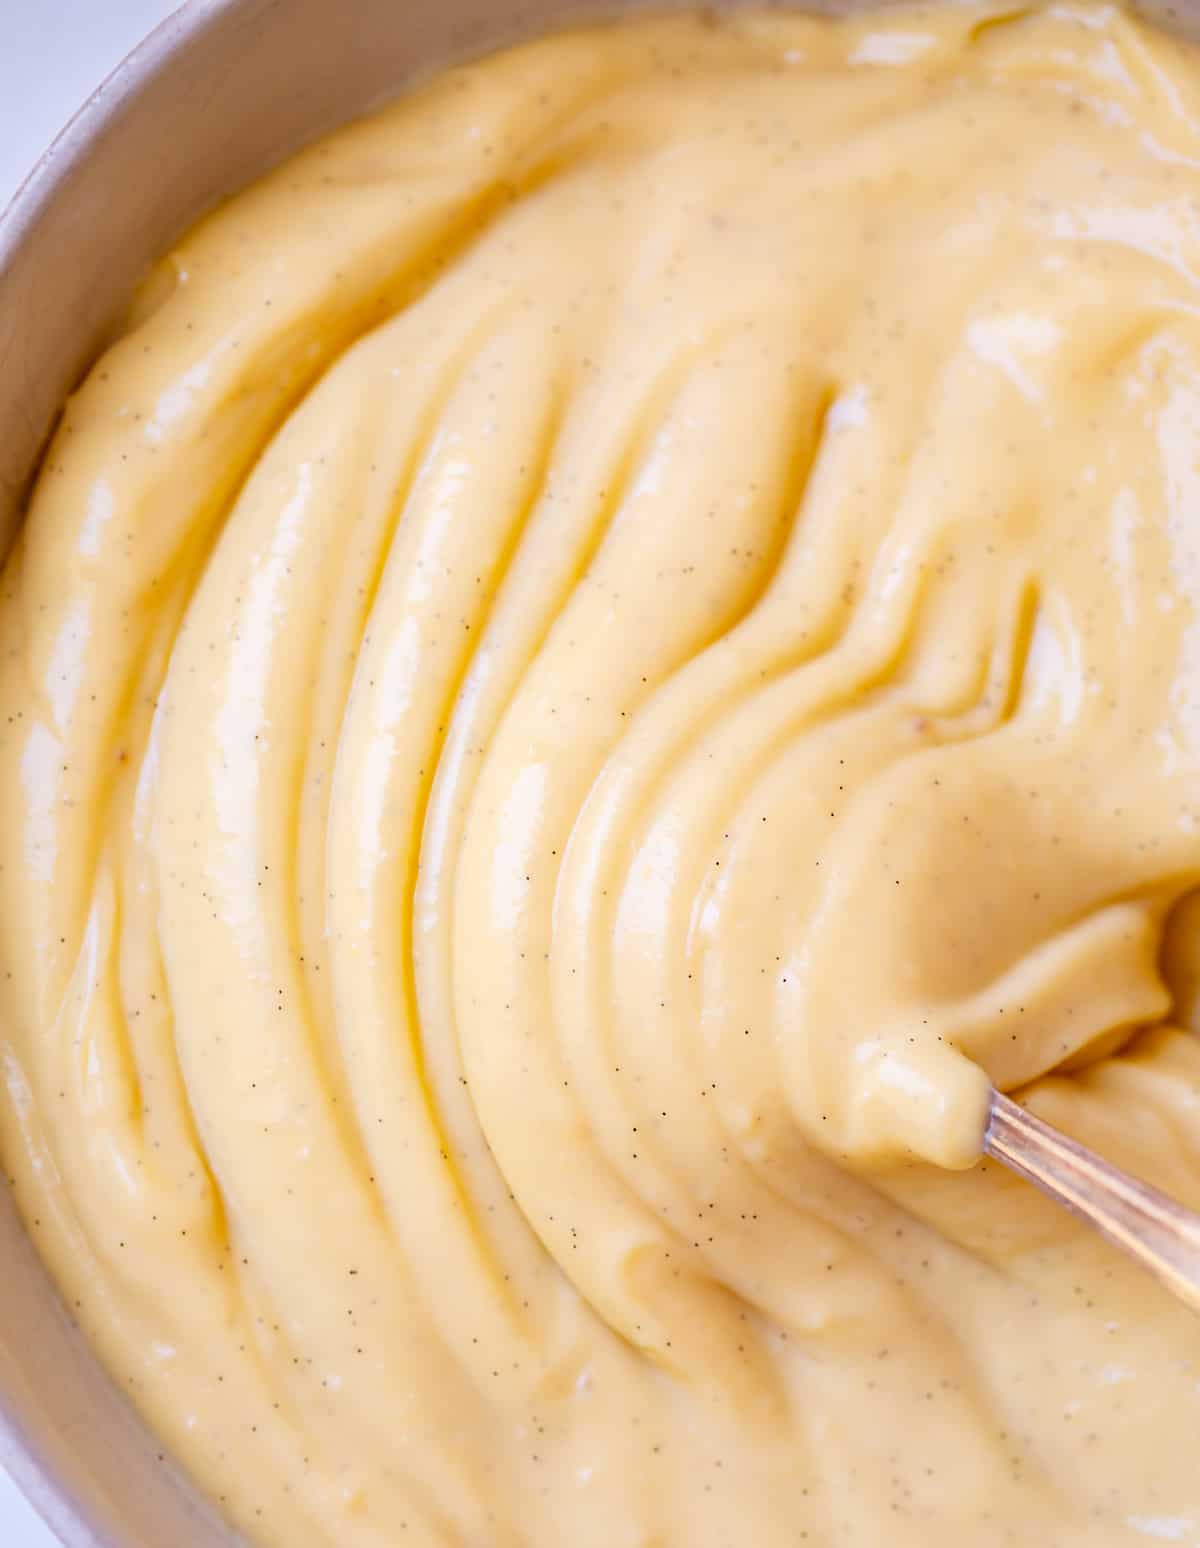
(608, 650)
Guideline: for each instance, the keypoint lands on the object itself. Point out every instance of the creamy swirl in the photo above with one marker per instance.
(606, 651)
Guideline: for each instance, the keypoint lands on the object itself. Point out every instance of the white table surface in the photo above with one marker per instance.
(54, 53)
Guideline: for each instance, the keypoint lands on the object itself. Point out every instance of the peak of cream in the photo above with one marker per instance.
(609, 650)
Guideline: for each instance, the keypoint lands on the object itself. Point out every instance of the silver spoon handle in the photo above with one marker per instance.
(1161, 1234)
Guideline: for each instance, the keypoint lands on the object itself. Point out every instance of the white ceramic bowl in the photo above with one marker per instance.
(221, 91)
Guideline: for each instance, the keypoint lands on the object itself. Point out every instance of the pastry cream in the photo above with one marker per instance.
(608, 648)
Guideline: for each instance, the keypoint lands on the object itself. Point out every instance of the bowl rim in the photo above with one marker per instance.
(64, 156)
(49, 181)
(63, 163)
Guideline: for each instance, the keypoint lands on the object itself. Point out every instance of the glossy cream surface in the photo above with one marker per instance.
(608, 648)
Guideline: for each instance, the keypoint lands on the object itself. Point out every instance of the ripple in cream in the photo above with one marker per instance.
(609, 648)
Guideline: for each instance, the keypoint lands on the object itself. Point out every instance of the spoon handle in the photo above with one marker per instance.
(1161, 1234)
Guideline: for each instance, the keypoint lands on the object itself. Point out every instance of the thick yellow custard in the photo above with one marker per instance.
(608, 648)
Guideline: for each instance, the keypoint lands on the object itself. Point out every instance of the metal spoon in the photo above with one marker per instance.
(1162, 1235)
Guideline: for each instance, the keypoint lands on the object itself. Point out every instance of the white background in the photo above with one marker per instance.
(54, 53)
